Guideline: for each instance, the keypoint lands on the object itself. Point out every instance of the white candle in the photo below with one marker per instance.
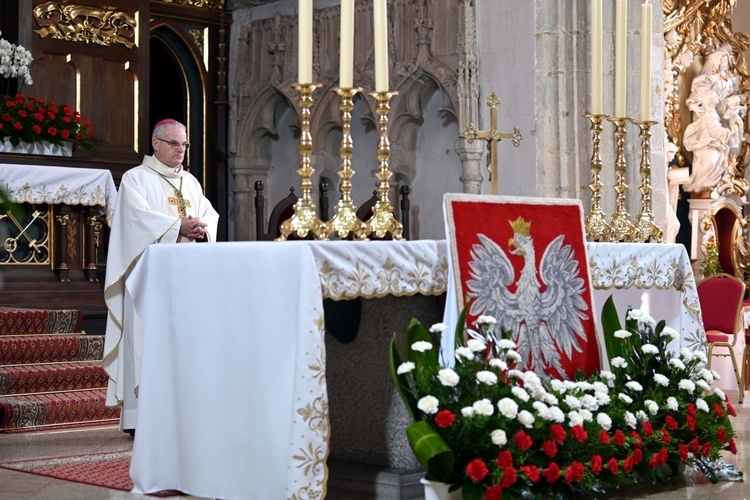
(646, 17)
(621, 57)
(380, 19)
(596, 56)
(346, 53)
(304, 69)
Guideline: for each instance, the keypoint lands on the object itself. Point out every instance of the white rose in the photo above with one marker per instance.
(428, 404)
(448, 377)
(405, 367)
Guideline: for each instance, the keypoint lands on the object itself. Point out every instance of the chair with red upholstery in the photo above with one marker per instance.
(721, 298)
(745, 352)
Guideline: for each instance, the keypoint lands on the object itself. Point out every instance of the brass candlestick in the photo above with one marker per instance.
(382, 221)
(596, 224)
(304, 219)
(620, 229)
(345, 222)
(645, 227)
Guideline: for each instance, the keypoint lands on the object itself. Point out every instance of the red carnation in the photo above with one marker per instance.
(51, 115)
(579, 433)
(574, 472)
(494, 492)
(603, 437)
(10, 104)
(522, 440)
(596, 464)
(721, 434)
(52, 131)
(558, 433)
(719, 410)
(6, 117)
(730, 409)
(22, 113)
(692, 423)
(665, 437)
(17, 126)
(648, 429)
(683, 452)
(66, 119)
(37, 129)
(532, 472)
(627, 464)
(637, 437)
(695, 446)
(443, 419)
(706, 448)
(66, 134)
(654, 462)
(663, 455)
(509, 477)
(20, 98)
(619, 438)
(671, 423)
(504, 459)
(732, 447)
(67, 111)
(552, 473)
(39, 117)
(637, 456)
(691, 409)
(613, 465)
(477, 470)
(30, 106)
(550, 448)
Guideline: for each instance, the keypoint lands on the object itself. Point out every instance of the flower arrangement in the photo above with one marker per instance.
(490, 429)
(28, 119)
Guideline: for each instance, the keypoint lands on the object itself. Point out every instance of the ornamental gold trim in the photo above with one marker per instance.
(77, 23)
(200, 4)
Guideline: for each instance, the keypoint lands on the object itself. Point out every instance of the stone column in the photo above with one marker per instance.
(471, 161)
(245, 172)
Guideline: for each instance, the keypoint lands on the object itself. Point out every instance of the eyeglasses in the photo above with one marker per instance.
(175, 144)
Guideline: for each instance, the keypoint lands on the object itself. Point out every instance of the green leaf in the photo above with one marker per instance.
(460, 326)
(431, 450)
(402, 383)
(610, 324)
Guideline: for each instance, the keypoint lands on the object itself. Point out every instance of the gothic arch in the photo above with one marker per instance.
(259, 123)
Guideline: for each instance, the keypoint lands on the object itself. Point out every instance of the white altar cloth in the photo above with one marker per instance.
(238, 328)
(54, 185)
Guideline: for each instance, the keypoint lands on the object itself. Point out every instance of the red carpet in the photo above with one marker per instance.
(108, 470)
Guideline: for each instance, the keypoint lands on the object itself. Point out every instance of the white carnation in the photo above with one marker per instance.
(499, 438)
(512, 355)
(574, 418)
(550, 399)
(586, 415)
(625, 398)
(541, 409)
(557, 385)
(476, 345)
(720, 393)
(506, 344)
(630, 420)
(499, 364)
(604, 421)
(589, 402)
(702, 384)
(701, 404)
(428, 404)
(651, 406)
(686, 385)
(486, 320)
(670, 332)
(672, 403)
(600, 387)
(405, 367)
(526, 419)
(556, 415)
(622, 334)
(508, 408)
(619, 362)
(677, 363)
(448, 377)
(634, 386)
(438, 328)
(467, 411)
(520, 393)
(483, 407)
(421, 346)
(464, 352)
(607, 375)
(649, 348)
(641, 415)
(486, 377)
(515, 374)
(661, 379)
(573, 402)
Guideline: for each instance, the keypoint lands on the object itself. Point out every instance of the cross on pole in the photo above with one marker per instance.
(493, 136)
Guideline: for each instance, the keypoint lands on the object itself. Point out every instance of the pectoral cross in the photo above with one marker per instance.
(179, 200)
(493, 136)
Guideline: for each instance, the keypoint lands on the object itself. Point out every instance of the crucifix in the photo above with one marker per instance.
(493, 136)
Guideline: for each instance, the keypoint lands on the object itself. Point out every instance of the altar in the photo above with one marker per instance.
(256, 351)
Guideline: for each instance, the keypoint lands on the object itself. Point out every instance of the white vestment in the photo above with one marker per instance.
(146, 212)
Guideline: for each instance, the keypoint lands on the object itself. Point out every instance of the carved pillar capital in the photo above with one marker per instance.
(471, 162)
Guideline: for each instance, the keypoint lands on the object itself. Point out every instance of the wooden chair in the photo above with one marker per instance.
(721, 298)
(281, 212)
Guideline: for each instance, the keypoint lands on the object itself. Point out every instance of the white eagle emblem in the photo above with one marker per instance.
(544, 323)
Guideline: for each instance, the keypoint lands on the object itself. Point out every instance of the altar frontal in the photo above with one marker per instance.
(523, 261)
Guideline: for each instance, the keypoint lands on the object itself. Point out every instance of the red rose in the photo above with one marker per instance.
(66, 134)
(719, 410)
(443, 419)
(603, 437)
(654, 462)
(648, 429)
(494, 492)
(574, 472)
(730, 409)
(721, 434)
(477, 470)
(579, 433)
(52, 131)
(695, 446)
(732, 447)
(558, 433)
(665, 437)
(552, 473)
(613, 465)
(596, 464)
(637, 456)
(550, 448)
(692, 423)
(627, 465)
(509, 477)
(663, 455)
(504, 459)
(706, 448)
(691, 409)
(532, 472)
(671, 423)
(683, 452)
(619, 438)
(637, 437)
(37, 129)
(522, 440)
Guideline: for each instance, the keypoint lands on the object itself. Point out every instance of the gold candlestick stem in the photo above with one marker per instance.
(645, 227)
(345, 222)
(382, 221)
(596, 224)
(621, 228)
(304, 220)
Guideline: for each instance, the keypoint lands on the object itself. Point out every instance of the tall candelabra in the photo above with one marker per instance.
(345, 221)
(645, 227)
(382, 221)
(596, 224)
(620, 228)
(305, 220)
